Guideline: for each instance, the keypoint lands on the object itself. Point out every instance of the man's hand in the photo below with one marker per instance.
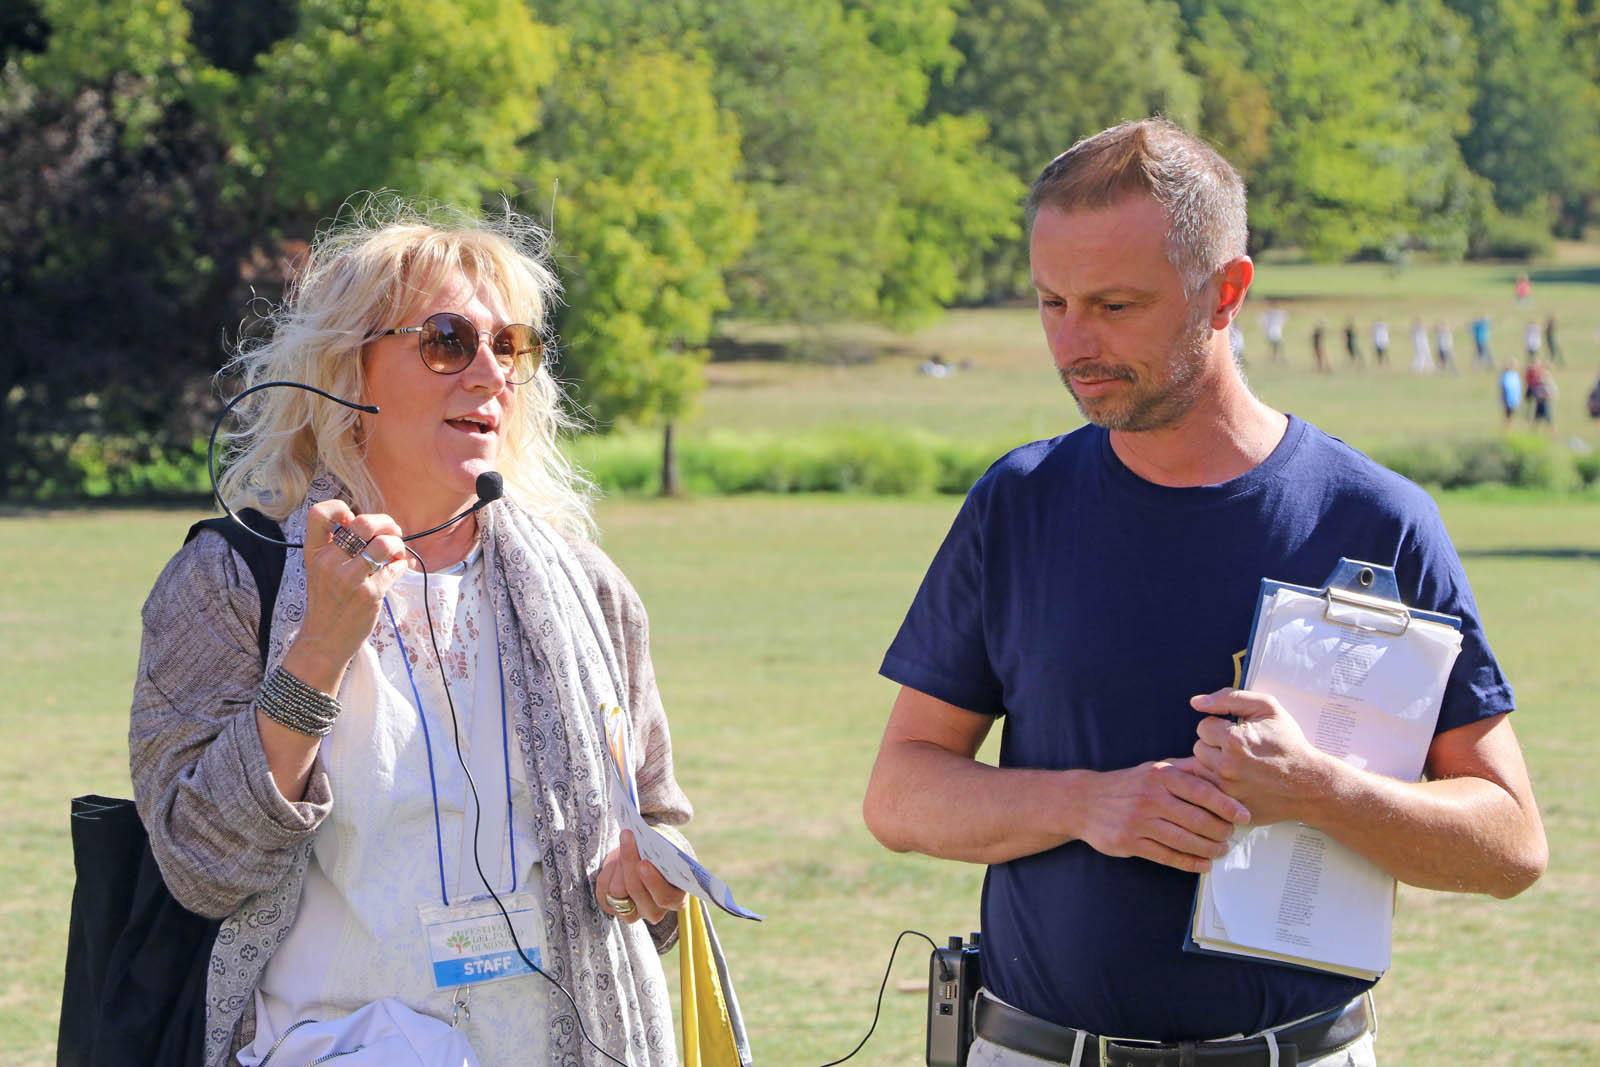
(1165, 811)
(1261, 757)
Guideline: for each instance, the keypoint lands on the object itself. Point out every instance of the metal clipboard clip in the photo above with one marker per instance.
(1365, 596)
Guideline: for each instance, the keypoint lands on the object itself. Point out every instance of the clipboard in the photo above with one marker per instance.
(1364, 599)
(1362, 595)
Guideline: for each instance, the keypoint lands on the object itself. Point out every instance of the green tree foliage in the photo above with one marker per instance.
(1043, 74)
(118, 261)
(650, 214)
(141, 46)
(1535, 125)
(1365, 107)
(430, 97)
(864, 208)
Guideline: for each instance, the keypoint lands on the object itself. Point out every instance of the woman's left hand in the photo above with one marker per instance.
(627, 879)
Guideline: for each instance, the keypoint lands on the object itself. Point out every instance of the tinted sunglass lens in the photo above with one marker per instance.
(519, 350)
(449, 342)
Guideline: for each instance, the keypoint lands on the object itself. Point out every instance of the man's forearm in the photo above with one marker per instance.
(1473, 827)
(923, 798)
(1464, 835)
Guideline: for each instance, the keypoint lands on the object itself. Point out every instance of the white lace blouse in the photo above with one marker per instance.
(401, 825)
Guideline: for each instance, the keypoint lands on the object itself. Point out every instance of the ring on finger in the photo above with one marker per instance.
(621, 905)
(373, 565)
(350, 542)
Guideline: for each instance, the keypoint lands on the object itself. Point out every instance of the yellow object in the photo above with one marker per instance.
(708, 1029)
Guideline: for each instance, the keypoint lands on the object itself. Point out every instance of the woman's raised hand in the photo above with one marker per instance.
(351, 562)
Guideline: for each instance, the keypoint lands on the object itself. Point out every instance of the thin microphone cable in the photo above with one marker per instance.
(876, 1011)
(477, 822)
(490, 487)
(216, 427)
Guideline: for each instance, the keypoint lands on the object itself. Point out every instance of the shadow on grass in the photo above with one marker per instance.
(1566, 275)
(11, 509)
(1590, 554)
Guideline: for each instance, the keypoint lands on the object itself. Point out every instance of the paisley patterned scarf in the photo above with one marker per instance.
(560, 671)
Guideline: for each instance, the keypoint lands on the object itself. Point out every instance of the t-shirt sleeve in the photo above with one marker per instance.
(941, 649)
(1477, 688)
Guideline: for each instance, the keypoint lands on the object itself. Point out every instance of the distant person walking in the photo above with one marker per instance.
(1524, 289)
(1444, 344)
(1480, 338)
(1351, 346)
(1319, 351)
(1380, 341)
(1540, 389)
(1422, 353)
(1510, 391)
(1272, 321)
(1531, 338)
(1550, 339)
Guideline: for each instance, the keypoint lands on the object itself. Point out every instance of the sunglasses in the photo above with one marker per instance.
(448, 343)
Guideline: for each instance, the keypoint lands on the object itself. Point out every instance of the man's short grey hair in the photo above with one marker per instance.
(1202, 194)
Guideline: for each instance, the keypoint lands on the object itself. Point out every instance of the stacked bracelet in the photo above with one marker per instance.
(288, 701)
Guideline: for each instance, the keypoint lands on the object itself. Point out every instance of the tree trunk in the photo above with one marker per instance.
(669, 461)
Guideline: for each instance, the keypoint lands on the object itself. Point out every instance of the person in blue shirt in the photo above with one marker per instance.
(1093, 596)
(1510, 392)
(1480, 340)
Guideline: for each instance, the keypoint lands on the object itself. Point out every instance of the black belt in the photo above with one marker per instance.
(1012, 1028)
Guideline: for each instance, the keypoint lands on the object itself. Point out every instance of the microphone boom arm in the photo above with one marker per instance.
(216, 427)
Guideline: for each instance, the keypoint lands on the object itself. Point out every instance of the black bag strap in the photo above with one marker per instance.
(264, 559)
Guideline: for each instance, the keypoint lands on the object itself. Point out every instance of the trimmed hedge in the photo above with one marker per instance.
(1525, 461)
(878, 462)
(87, 466)
(854, 461)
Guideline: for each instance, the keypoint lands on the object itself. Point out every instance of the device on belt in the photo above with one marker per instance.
(954, 979)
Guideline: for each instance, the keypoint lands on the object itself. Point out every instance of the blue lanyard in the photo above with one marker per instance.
(427, 744)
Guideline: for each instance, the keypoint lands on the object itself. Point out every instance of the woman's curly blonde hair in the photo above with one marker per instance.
(362, 273)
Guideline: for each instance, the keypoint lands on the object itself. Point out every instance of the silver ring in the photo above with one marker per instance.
(350, 543)
(373, 565)
(621, 905)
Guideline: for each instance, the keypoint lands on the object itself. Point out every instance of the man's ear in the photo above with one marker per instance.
(1236, 276)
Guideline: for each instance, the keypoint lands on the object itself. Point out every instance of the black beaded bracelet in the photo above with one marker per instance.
(291, 703)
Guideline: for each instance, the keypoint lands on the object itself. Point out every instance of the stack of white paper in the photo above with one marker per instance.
(1289, 892)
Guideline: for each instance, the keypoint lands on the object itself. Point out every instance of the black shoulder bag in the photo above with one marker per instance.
(136, 967)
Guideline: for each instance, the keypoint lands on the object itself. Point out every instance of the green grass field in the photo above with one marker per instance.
(769, 616)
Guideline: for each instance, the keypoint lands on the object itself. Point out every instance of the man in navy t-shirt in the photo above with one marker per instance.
(1097, 590)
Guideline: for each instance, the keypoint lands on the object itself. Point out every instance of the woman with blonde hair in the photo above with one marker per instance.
(407, 803)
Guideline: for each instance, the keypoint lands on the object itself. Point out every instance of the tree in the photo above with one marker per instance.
(141, 180)
(430, 97)
(1044, 74)
(650, 215)
(1535, 129)
(118, 265)
(864, 208)
(1361, 140)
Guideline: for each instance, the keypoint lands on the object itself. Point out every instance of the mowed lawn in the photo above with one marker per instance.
(770, 615)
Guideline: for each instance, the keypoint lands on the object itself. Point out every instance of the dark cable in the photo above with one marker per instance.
(477, 822)
(876, 1011)
(216, 427)
(490, 485)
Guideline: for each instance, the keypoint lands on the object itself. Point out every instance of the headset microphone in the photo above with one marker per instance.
(490, 485)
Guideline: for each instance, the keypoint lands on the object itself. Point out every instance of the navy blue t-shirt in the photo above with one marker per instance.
(1087, 606)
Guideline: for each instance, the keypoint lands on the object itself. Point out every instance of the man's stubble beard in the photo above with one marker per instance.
(1155, 407)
